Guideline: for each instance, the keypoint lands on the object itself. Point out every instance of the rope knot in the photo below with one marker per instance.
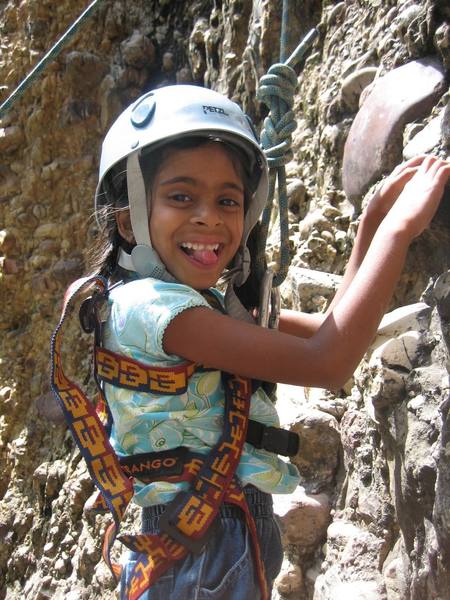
(276, 91)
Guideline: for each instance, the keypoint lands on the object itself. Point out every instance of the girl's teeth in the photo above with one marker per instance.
(194, 246)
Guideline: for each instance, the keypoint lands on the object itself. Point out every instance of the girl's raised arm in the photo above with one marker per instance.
(330, 355)
(304, 324)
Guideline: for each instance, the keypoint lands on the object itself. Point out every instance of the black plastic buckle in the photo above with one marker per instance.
(87, 315)
(168, 524)
(280, 441)
(88, 312)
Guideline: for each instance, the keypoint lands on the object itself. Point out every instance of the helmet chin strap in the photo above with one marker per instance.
(145, 262)
(233, 305)
(144, 259)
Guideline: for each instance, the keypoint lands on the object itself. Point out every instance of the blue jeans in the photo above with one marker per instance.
(225, 570)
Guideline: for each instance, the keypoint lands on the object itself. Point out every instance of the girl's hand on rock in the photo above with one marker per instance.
(416, 205)
(389, 190)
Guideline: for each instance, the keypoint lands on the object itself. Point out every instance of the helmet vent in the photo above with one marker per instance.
(142, 113)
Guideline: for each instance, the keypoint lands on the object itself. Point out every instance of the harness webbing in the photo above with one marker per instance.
(186, 524)
(123, 372)
(191, 513)
(86, 427)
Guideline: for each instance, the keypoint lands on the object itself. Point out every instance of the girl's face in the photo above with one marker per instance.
(197, 213)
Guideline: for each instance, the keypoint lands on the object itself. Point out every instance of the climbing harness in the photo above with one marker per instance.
(188, 521)
(49, 56)
(122, 371)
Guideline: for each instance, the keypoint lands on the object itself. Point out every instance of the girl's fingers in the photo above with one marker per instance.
(415, 161)
(418, 175)
(429, 162)
(404, 171)
(431, 173)
(441, 164)
(407, 172)
(397, 181)
(430, 168)
(443, 173)
(433, 166)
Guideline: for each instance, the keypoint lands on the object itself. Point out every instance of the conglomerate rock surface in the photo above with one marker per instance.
(371, 519)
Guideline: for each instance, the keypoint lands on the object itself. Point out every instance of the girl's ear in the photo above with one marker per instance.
(124, 226)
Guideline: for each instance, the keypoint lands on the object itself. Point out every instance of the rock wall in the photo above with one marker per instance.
(371, 519)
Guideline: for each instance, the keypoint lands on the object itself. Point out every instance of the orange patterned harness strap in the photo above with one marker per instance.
(87, 429)
(185, 526)
(125, 372)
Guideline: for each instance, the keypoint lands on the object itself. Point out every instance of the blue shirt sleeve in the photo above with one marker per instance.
(140, 312)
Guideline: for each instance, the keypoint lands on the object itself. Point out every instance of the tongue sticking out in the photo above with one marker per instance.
(206, 257)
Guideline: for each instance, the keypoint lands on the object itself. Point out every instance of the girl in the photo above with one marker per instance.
(182, 184)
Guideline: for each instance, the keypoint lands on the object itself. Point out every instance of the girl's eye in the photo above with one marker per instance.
(230, 202)
(181, 198)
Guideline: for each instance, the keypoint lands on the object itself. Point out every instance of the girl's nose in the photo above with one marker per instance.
(207, 214)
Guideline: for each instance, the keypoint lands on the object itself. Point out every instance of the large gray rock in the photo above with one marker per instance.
(374, 144)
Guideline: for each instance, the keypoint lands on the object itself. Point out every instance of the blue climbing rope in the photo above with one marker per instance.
(50, 55)
(276, 90)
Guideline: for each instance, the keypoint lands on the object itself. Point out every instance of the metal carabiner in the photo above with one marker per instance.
(269, 302)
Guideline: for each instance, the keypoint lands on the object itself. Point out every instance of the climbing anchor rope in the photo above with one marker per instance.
(49, 56)
(276, 90)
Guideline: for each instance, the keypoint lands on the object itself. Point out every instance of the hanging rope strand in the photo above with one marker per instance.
(50, 55)
(276, 90)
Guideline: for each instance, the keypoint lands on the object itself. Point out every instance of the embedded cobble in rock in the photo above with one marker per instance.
(304, 519)
(426, 140)
(290, 580)
(445, 126)
(354, 84)
(317, 459)
(374, 144)
(302, 286)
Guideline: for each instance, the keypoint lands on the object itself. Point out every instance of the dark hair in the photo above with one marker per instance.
(102, 257)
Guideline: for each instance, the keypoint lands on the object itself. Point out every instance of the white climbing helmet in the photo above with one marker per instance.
(161, 116)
